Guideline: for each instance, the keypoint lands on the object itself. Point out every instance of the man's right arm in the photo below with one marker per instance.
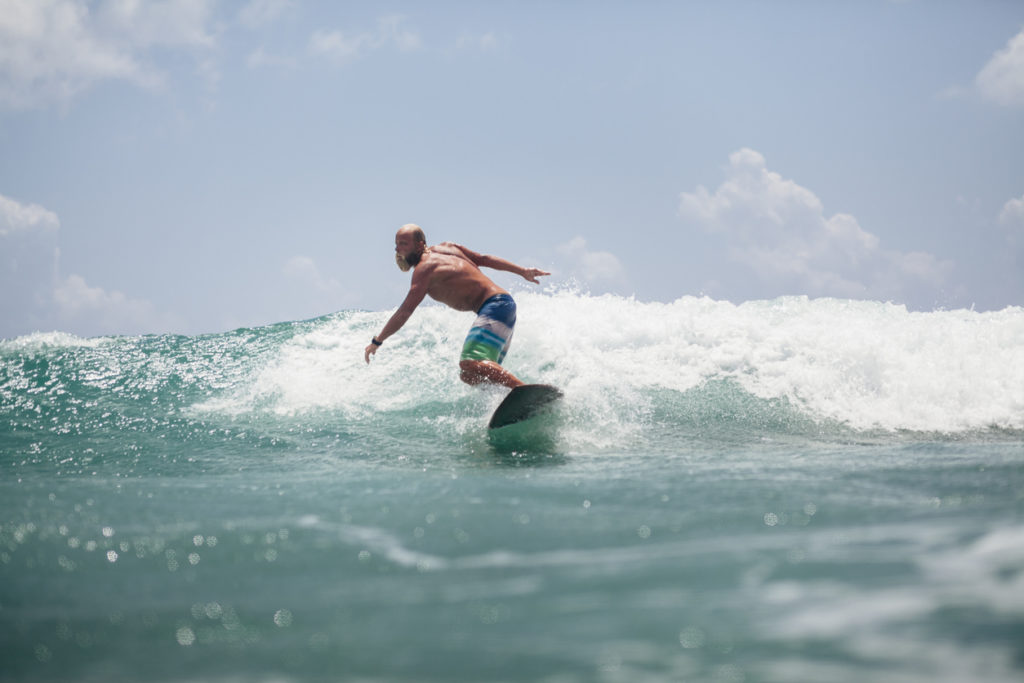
(417, 292)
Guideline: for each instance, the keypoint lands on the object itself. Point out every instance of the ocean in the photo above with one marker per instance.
(787, 490)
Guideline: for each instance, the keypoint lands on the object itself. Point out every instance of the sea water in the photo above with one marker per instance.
(786, 490)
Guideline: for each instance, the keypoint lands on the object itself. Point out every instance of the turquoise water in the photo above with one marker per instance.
(784, 490)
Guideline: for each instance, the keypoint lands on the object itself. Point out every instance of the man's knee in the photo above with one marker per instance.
(470, 371)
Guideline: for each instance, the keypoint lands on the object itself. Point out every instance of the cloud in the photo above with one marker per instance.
(483, 42)
(303, 270)
(1012, 214)
(595, 267)
(173, 23)
(343, 48)
(1012, 218)
(17, 217)
(259, 13)
(260, 58)
(34, 296)
(53, 50)
(88, 310)
(1002, 79)
(311, 292)
(337, 47)
(779, 231)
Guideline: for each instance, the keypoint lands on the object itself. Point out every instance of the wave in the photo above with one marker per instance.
(633, 371)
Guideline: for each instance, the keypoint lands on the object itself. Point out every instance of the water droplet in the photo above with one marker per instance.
(185, 636)
(692, 638)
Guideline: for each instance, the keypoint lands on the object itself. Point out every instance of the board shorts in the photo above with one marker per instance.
(491, 334)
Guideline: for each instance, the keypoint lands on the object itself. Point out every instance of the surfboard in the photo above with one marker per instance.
(522, 403)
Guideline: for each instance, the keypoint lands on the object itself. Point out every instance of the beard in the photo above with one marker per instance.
(405, 263)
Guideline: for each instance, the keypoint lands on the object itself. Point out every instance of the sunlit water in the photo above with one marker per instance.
(785, 490)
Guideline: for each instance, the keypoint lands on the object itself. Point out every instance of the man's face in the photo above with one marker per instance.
(407, 251)
(405, 244)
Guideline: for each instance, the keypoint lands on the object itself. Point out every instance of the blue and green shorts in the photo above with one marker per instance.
(491, 334)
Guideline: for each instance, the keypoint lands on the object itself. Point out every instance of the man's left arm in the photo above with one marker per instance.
(497, 263)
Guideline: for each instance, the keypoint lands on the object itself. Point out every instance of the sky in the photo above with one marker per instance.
(194, 166)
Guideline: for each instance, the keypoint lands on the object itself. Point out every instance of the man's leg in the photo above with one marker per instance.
(478, 371)
(487, 343)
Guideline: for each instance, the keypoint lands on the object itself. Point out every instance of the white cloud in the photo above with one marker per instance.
(303, 270)
(260, 58)
(337, 47)
(1012, 214)
(392, 31)
(596, 267)
(1002, 79)
(52, 50)
(778, 229)
(175, 23)
(17, 217)
(483, 42)
(93, 310)
(34, 296)
(312, 293)
(342, 48)
(1012, 218)
(258, 13)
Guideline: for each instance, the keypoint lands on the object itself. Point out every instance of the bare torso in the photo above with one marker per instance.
(453, 279)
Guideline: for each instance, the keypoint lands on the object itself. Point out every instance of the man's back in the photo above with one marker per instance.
(454, 279)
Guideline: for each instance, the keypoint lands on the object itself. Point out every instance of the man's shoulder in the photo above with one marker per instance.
(452, 249)
(435, 259)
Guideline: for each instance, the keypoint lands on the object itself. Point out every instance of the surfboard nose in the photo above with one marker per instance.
(522, 403)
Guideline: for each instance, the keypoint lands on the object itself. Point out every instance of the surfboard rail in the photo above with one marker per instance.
(522, 403)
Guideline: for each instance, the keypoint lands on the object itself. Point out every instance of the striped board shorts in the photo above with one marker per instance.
(491, 334)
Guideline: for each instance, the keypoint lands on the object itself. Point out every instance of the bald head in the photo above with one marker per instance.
(414, 231)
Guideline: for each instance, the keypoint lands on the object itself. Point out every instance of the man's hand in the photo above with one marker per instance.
(532, 274)
(370, 350)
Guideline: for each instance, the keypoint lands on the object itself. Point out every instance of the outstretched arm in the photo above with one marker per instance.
(417, 292)
(498, 263)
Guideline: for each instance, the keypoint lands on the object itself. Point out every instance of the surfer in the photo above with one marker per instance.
(450, 273)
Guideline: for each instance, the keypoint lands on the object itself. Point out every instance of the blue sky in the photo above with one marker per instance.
(198, 165)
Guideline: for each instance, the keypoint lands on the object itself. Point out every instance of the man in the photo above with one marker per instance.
(450, 273)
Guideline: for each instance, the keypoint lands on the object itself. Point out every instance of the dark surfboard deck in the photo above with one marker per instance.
(522, 403)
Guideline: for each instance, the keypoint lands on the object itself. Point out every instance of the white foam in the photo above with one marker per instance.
(324, 369)
(865, 364)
